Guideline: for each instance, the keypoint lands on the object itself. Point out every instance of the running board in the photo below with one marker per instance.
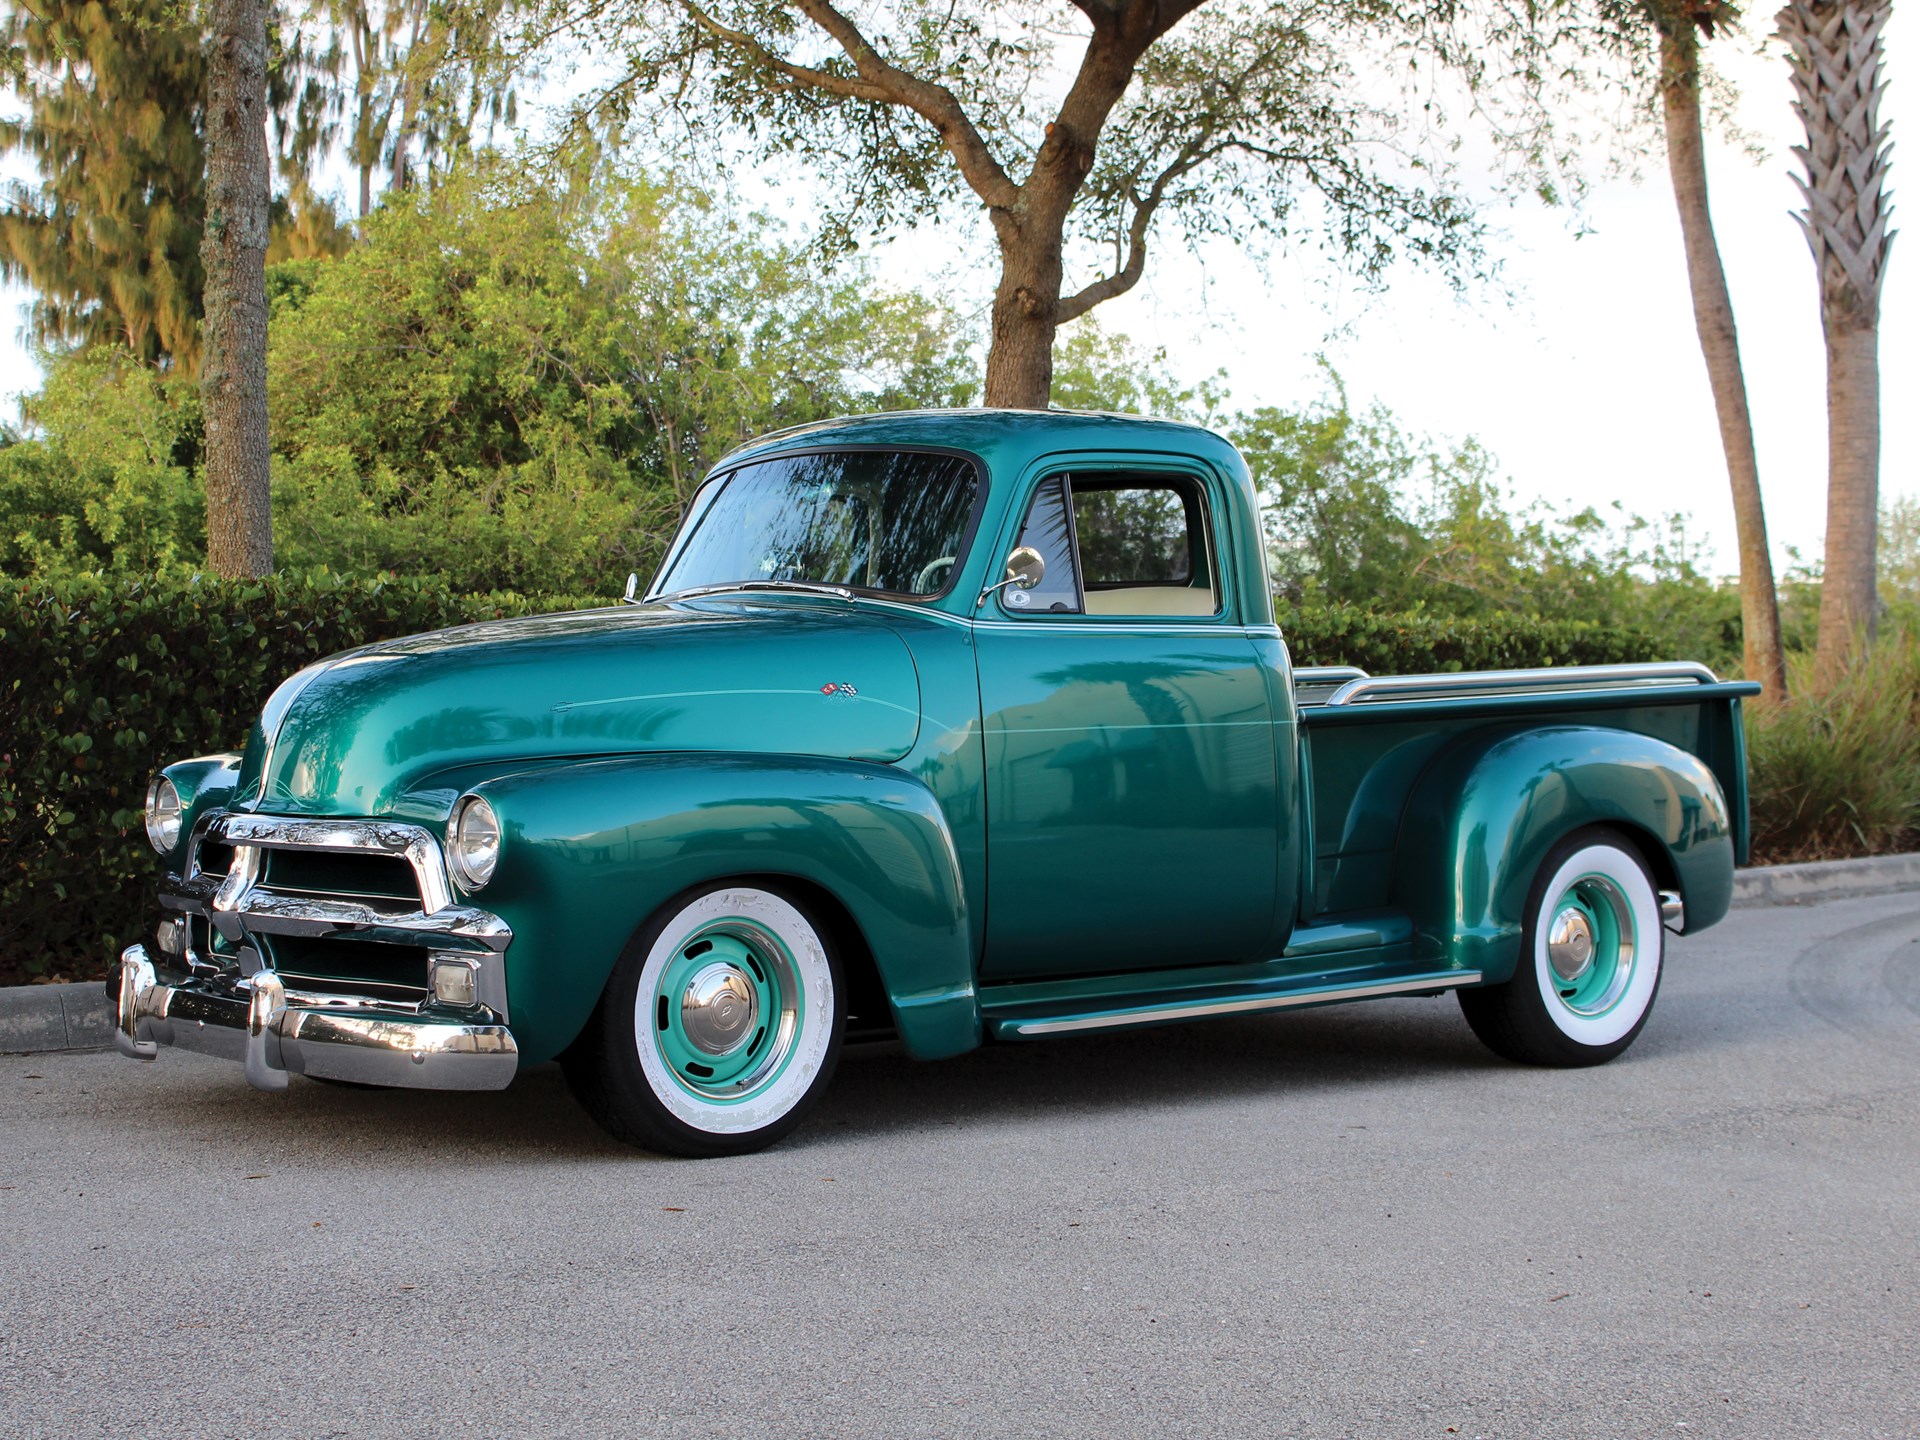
(1034, 1026)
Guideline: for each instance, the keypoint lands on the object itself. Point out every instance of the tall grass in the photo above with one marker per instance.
(1838, 774)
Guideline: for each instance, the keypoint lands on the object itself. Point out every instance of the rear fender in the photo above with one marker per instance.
(592, 849)
(1483, 816)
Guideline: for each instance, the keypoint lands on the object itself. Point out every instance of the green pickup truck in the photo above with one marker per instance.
(947, 727)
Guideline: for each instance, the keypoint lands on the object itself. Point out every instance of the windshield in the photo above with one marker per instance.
(868, 519)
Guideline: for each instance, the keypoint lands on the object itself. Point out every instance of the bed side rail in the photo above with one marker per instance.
(1348, 685)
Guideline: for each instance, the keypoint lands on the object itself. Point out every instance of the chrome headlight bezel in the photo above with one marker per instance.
(473, 841)
(166, 812)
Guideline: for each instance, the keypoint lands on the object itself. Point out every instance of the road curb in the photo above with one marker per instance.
(1826, 880)
(36, 1019)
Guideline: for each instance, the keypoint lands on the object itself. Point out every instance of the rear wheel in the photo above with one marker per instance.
(1591, 947)
(719, 1028)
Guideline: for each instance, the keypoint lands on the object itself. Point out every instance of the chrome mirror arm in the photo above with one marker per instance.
(1026, 568)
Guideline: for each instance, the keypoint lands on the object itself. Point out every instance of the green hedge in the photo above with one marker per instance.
(1421, 642)
(105, 681)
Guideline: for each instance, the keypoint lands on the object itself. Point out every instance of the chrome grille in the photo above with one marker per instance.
(344, 874)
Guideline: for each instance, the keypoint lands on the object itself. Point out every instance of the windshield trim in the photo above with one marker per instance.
(962, 548)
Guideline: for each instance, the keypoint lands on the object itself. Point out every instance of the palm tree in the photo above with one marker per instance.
(1680, 25)
(1835, 56)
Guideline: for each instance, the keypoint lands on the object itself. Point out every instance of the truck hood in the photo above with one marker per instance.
(386, 729)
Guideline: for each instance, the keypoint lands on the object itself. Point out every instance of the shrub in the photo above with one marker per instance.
(1421, 642)
(1838, 774)
(106, 681)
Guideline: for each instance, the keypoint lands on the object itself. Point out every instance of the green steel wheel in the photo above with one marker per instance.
(720, 1026)
(1591, 950)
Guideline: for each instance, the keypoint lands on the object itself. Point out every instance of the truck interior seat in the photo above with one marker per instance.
(1152, 600)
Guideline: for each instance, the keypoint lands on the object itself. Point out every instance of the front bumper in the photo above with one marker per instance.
(274, 1031)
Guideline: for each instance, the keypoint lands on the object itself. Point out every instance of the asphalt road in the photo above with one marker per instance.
(1345, 1222)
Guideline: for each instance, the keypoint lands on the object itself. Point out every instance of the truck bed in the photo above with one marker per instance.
(1365, 740)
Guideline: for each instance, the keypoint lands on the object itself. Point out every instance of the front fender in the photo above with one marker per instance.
(205, 784)
(592, 849)
(1484, 815)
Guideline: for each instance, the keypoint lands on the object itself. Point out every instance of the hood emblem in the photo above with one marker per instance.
(838, 687)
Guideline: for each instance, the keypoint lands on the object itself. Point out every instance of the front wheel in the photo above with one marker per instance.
(1591, 947)
(720, 1026)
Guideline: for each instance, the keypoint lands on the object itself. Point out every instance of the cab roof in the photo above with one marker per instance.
(999, 437)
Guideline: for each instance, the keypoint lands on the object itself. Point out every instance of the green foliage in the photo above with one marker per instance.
(113, 122)
(1837, 773)
(1420, 642)
(499, 386)
(507, 388)
(1360, 512)
(114, 485)
(1239, 118)
(1099, 369)
(1900, 559)
(109, 679)
(112, 102)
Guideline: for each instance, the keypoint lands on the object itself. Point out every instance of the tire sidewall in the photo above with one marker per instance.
(672, 1117)
(1609, 856)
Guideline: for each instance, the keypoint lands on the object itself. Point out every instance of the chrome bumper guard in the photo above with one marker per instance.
(274, 1031)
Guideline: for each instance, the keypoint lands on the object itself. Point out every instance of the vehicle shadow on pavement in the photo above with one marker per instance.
(1218, 1061)
(878, 1090)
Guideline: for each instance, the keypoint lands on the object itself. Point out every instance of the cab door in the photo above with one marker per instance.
(1129, 737)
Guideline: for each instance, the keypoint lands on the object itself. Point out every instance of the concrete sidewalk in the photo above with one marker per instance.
(35, 1019)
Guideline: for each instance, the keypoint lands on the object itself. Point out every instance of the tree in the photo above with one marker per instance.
(113, 118)
(233, 378)
(407, 88)
(1834, 50)
(105, 478)
(109, 237)
(519, 389)
(1225, 114)
(1680, 25)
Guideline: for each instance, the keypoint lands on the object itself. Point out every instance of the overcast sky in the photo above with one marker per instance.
(1587, 384)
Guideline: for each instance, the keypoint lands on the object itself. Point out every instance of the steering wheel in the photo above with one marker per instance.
(923, 581)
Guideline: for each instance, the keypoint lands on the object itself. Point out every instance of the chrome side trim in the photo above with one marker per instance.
(274, 1031)
(1673, 911)
(1378, 688)
(1121, 1019)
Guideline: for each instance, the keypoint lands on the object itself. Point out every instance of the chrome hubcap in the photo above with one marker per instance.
(718, 1009)
(1570, 944)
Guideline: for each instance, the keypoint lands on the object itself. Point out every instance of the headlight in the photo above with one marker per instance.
(163, 814)
(474, 840)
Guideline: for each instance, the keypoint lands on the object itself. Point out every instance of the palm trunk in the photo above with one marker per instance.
(233, 375)
(1835, 56)
(1848, 589)
(1763, 656)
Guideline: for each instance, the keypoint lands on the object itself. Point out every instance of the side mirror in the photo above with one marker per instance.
(633, 587)
(1026, 568)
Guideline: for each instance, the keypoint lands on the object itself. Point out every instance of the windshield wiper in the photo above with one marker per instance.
(803, 587)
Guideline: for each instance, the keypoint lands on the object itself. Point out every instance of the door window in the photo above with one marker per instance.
(1120, 545)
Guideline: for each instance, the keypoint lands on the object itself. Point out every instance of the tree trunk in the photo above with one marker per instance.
(1762, 653)
(1848, 590)
(1026, 312)
(233, 375)
(1835, 52)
